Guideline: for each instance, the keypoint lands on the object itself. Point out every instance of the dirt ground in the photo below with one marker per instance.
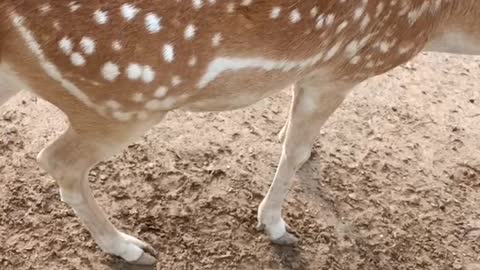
(393, 183)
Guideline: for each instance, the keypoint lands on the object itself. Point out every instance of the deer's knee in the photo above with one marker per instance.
(298, 154)
(68, 161)
(67, 177)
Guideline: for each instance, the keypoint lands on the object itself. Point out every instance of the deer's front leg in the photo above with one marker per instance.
(68, 160)
(312, 104)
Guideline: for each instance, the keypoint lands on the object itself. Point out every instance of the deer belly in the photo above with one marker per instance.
(240, 89)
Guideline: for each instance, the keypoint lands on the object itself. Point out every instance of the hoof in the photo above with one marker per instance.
(145, 260)
(287, 239)
(260, 227)
(147, 254)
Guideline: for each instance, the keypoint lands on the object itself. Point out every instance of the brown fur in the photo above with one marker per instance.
(246, 32)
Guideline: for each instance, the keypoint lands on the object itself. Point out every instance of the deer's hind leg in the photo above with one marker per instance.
(9, 84)
(69, 158)
(283, 132)
(313, 102)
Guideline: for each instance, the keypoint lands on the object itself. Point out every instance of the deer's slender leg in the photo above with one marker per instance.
(313, 103)
(68, 159)
(8, 85)
(283, 131)
(5, 94)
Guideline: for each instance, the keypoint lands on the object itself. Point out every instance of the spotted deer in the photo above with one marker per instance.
(116, 67)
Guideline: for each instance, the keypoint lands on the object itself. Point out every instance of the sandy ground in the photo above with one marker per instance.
(393, 183)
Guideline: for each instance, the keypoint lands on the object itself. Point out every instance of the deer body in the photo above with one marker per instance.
(117, 67)
(195, 53)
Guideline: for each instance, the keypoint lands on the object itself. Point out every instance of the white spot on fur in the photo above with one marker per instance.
(66, 45)
(217, 38)
(56, 25)
(230, 7)
(77, 59)
(192, 61)
(341, 27)
(138, 97)
(436, 6)
(197, 4)
(314, 12)
(88, 45)
(295, 16)
(160, 105)
(190, 31)
(122, 116)
(379, 9)
(329, 19)
(110, 71)
(129, 11)
(134, 71)
(384, 46)
(45, 8)
(365, 21)
(116, 45)
(148, 75)
(355, 60)
(275, 13)
(101, 17)
(176, 80)
(168, 53)
(357, 14)
(333, 51)
(50, 69)
(320, 21)
(74, 6)
(406, 48)
(160, 92)
(152, 23)
(113, 104)
(415, 14)
(352, 48)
